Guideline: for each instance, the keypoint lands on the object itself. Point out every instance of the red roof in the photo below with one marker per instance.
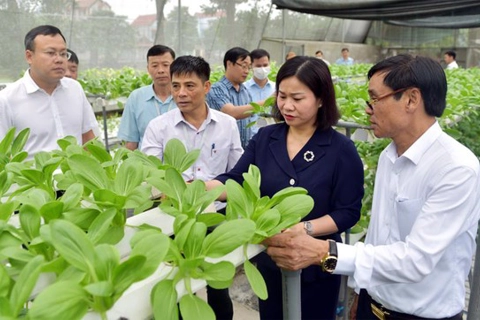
(145, 20)
(89, 3)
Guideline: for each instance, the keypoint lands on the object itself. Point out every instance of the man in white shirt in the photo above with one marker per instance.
(449, 58)
(198, 127)
(51, 105)
(421, 238)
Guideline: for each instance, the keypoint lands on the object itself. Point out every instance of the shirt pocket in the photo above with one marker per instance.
(218, 161)
(407, 213)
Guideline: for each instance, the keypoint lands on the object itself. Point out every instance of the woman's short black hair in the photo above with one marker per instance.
(313, 73)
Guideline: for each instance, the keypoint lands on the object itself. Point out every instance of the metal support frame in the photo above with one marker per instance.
(292, 297)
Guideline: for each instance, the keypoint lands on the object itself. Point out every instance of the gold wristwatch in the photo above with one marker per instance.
(329, 262)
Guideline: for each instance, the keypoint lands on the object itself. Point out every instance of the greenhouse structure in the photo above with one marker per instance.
(100, 231)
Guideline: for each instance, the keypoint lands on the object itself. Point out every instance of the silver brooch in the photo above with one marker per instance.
(308, 156)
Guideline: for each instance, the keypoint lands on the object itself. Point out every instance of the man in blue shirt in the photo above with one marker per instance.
(230, 95)
(345, 59)
(148, 102)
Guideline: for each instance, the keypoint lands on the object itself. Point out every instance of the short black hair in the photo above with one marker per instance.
(158, 50)
(190, 65)
(259, 53)
(315, 74)
(44, 30)
(234, 54)
(406, 71)
(319, 51)
(73, 57)
(451, 53)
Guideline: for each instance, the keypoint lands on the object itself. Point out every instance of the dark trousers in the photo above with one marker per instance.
(319, 298)
(221, 303)
(364, 311)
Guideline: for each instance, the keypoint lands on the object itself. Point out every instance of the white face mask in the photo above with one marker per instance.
(261, 73)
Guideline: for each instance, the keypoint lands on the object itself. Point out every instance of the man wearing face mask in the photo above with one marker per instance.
(259, 86)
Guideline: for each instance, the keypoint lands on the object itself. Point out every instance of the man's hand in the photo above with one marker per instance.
(295, 250)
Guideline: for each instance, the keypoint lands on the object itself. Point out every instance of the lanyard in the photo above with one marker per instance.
(157, 106)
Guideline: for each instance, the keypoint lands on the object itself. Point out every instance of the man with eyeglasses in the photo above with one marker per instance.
(44, 100)
(230, 95)
(421, 238)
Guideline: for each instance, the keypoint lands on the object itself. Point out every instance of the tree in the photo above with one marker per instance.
(230, 8)
(159, 34)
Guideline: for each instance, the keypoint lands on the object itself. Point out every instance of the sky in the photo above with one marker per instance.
(134, 8)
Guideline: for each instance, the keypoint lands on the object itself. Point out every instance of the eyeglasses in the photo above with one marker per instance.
(62, 54)
(244, 66)
(370, 103)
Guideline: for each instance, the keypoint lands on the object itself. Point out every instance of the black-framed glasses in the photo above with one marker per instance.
(244, 66)
(370, 103)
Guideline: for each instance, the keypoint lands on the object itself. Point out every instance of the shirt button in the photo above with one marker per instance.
(292, 182)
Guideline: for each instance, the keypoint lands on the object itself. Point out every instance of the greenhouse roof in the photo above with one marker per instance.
(425, 13)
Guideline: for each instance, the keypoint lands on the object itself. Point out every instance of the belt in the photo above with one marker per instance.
(383, 313)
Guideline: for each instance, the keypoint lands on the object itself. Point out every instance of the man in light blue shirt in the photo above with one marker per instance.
(259, 86)
(230, 95)
(148, 102)
(345, 59)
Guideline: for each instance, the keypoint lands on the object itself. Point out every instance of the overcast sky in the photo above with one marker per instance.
(134, 8)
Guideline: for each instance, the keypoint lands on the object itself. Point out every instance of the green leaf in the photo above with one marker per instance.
(251, 186)
(189, 159)
(100, 225)
(164, 300)
(25, 283)
(108, 198)
(72, 196)
(174, 153)
(193, 245)
(99, 153)
(268, 220)
(285, 193)
(5, 282)
(82, 217)
(238, 204)
(88, 172)
(227, 237)
(6, 310)
(256, 280)
(72, 243)
(211, 219)
(51, 210)
(17, 253)
(6, 210)
(61, 300)
(5, 144)
(107, 258)
(220, 271)
(153, 253)
(129, 176)
(194, 308)
(33, 175)
(100, 289)
(182, 235)
(127, 273)
(220, 284)
(5, 182)
(298, 204)
(30, 220)
(65, 142)
(70, 273)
